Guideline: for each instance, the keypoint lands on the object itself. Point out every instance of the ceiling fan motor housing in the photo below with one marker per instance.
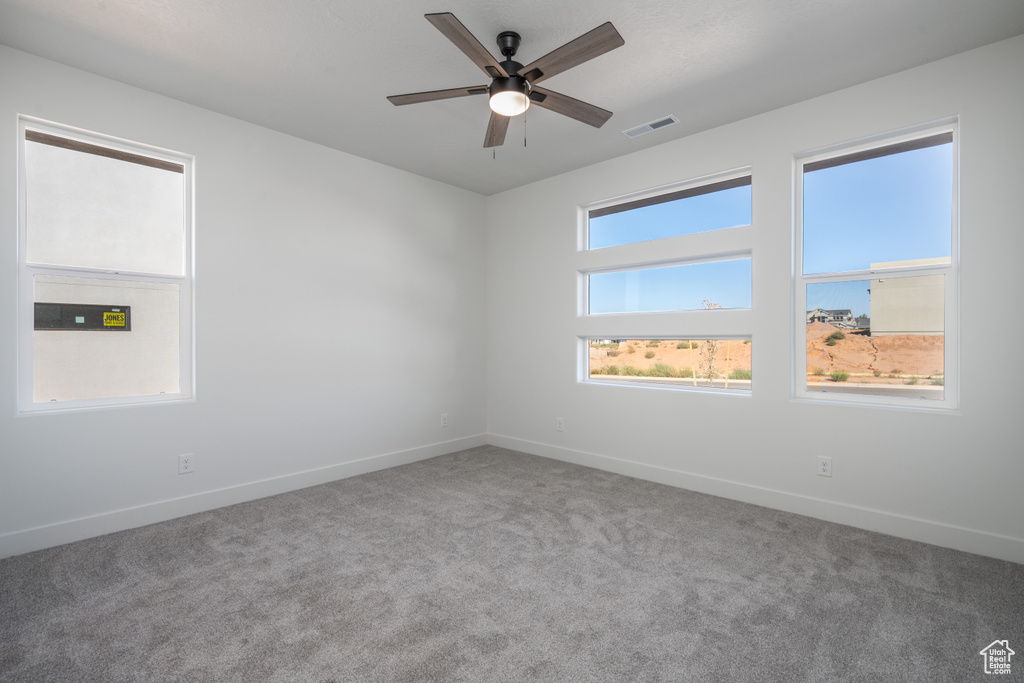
(508, 43)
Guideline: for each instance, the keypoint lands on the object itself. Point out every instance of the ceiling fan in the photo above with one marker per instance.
(514, 86)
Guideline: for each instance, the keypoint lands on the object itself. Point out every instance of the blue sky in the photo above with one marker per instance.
(712, 211)
(672, 288)
(891, 208)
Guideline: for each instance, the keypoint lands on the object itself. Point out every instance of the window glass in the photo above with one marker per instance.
(91, 211)
(883, 333)
(708, 363)
(710, 207)
(672, 288)
(89, 364)
(893, 207)
(884, 336)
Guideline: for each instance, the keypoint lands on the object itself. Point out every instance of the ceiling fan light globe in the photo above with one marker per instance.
(509, 103)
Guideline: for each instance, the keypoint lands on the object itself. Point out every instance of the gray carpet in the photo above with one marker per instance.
(492, 565)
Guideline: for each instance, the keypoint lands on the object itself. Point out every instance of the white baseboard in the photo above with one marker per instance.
(923, 530)
(18, 542)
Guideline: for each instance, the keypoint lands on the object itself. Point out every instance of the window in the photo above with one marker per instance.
(105, 271)
(677, 260)
(711, 206)
(876, 285)
(671, 288)
(679, 363)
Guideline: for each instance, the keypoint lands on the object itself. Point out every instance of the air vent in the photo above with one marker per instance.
(646, 128)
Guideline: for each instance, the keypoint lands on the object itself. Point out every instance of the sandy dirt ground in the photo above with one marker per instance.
(902, 355)
(732, 354)
(881, 359)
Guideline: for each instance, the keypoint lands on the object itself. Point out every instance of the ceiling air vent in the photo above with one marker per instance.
(646, 128)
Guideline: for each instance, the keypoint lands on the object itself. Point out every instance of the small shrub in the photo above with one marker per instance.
(630, 349)
(818, 372)
(613, 352)
(683, 345)
(746, 341)
(654, 342)
(837, 335)
(631, 371)
(739, 373)
(830, 342)
(662, 370)
(839, 376)
(912, 380)
(613, 369)
(878, 373)
(649, 354)
(684, 372)
(939, 381)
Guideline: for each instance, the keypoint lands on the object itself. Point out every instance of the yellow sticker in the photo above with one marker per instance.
(113, 319)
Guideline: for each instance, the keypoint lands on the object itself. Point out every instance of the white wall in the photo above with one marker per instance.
(339, 311)
(950, 479)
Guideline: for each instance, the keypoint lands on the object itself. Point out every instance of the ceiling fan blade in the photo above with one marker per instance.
(430, 96)
(452, 28)
(496, 129)
(568, 106)
(602, 39)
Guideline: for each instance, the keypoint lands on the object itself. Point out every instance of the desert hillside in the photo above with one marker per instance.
(646, 355)
(866, 358)
(902, 355)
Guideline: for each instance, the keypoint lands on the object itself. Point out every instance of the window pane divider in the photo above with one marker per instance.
(901, 271)
(713, 245)
(103, 274)
(663, 263)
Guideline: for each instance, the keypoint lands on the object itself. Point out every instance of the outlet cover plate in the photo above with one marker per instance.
(824, 466)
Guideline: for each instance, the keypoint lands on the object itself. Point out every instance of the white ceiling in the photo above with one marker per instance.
(321, 69)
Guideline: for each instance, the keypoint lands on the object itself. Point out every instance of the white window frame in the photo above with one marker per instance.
(27, 271)
(951, 326)
(699, 247)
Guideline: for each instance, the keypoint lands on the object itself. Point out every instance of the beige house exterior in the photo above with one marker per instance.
(908, 305)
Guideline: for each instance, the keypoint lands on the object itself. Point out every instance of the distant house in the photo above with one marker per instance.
(840, 317)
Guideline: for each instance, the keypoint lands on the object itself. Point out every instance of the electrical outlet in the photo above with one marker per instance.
(186, 463)
(444, 419)
(824, 466)
(559, 424)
